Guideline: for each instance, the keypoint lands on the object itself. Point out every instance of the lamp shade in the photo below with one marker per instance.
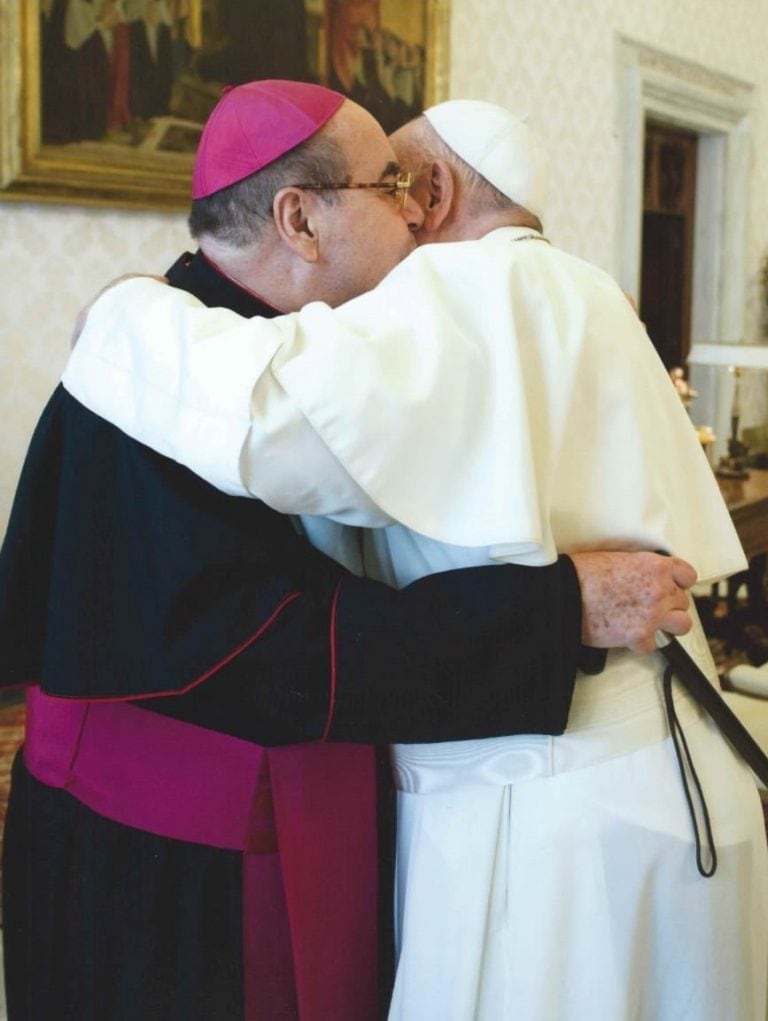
(742, 356)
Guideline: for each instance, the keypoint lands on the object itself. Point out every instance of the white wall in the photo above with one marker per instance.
(55, 259)
(554, 59)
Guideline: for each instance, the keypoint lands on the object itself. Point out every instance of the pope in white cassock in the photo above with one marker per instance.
(492, 400)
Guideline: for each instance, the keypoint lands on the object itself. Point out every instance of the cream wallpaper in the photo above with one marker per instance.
(552, 59)
(56, 258)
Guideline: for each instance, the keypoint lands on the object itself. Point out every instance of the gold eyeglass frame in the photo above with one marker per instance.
(400, 187)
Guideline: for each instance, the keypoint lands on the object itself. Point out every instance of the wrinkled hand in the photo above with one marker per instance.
(627, 597)
(83, 313)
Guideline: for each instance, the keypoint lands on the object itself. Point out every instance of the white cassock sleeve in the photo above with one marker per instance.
(204, 387)
(179, 378)
(486, 394)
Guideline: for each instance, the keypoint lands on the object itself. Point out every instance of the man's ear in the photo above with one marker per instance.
(440, 194)
(293, 212)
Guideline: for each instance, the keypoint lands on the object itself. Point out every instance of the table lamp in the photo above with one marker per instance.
(736, 358)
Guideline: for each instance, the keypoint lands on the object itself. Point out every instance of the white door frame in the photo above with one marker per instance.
(716, 107)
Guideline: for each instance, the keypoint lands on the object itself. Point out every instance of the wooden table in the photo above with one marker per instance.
(747, 501)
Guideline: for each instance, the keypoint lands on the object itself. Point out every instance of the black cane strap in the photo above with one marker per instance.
(688, 770)
(701, 690)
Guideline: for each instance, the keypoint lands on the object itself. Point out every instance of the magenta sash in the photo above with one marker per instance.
(304, 817)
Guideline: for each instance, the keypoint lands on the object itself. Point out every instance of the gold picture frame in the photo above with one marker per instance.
(98, 152)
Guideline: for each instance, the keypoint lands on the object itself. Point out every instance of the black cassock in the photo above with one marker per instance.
(124, 576)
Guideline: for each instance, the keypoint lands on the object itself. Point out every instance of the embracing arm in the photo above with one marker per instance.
(227, 396)
(213, 610)
(375, 651)
(468, 653)
(186, 381)
(492, 651)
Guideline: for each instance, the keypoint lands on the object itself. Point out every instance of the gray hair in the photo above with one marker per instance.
(424, 145)
(238, 215)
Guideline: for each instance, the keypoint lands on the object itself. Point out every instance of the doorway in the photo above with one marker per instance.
(669, 211)
(664, 89)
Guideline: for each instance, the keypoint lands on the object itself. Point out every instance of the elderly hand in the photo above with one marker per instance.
(627, 597)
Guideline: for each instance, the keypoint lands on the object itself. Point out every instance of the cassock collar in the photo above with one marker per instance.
(197, 274)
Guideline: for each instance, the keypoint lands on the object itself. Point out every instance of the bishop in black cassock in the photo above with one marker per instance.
(137, 596)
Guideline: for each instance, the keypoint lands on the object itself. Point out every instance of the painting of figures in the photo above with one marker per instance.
(115, 92)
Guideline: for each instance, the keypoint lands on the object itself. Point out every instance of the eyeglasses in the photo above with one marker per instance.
(397, 189)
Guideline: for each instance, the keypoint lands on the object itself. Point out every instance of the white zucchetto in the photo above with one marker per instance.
(498, 145)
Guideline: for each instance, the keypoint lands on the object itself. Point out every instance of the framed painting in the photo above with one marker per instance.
(103, 101)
